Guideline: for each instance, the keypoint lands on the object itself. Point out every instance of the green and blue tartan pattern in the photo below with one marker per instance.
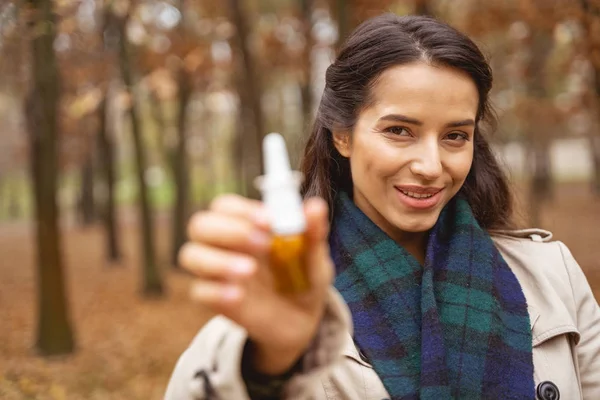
(456, 327)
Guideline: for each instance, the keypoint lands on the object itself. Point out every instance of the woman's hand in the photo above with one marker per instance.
(228, 253)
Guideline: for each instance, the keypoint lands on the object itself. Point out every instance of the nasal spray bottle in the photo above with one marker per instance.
(280, 187)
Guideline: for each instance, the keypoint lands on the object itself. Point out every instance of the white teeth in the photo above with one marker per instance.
(416, 195)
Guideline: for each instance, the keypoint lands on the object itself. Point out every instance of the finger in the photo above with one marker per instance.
(214, 263)
(319, 263)
(217, 295)
(228, 232)
(242, 207)
(317, 219)
(320, 266)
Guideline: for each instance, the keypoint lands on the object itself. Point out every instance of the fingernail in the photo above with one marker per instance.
(260, 239)
(242, 266)
(261, 217)
(231, 293)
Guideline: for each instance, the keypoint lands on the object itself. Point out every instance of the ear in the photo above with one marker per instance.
(341, 141)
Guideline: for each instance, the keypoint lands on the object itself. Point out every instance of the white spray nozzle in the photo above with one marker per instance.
(280, 187)
(277, 163)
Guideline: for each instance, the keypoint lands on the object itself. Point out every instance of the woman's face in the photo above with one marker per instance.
(410, 152)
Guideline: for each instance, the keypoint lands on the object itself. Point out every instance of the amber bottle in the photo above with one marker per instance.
(280, 187)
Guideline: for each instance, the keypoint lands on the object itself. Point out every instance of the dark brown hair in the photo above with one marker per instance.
(378, 44)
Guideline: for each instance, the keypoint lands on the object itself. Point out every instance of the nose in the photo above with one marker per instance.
(427, 162)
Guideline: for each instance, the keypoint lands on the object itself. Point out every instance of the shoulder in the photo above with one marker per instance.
(544, 268)
(528, 235)
(532, 254)
(530, 247)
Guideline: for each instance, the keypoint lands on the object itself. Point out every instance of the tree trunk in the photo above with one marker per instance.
(306, 85)
(422, 7)
(180, 167)
(591, 16)
(152, 283)
(54, 333)
(166, 152)
(107, 165)
(595, 149)
(252, 133)
(86, 199)
(595, 134)
(538, 128)
(540, 181)
(343, 16)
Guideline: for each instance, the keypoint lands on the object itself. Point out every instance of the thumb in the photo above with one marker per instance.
(318, 260)
(316, 212)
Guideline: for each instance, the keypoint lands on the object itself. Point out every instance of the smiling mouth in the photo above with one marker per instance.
(415, 195)
(419, 197)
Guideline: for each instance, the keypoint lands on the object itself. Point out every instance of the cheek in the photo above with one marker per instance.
(361, 159)
(373, 159)
(459, 166)
(362, 169)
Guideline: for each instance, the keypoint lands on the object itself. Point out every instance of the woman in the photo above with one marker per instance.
(446, 300)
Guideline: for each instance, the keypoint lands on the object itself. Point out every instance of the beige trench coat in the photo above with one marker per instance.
(565, 323)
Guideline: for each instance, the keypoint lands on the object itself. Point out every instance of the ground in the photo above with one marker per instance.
(127, 346)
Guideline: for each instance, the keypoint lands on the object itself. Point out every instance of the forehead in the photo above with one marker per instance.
(419, 88)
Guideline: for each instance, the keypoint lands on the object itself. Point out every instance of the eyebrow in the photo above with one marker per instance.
(408, 120)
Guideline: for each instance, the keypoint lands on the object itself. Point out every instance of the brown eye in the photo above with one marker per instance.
(398, 131)
(458, 136)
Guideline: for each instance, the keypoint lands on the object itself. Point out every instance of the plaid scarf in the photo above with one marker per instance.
(456, 327)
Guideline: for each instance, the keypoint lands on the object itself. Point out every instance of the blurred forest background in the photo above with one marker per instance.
(119, 118)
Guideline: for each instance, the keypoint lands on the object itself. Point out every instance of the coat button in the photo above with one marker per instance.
(547, 391)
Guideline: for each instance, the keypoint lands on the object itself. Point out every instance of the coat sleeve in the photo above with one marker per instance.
(210, 368)
(588, 324)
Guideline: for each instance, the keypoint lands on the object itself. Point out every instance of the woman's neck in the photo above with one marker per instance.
(415, 243)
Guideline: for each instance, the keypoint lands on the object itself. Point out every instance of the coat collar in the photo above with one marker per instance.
(534, 234)
(538, 265)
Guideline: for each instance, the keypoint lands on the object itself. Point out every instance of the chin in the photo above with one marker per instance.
(415, 225)
(416, 228)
